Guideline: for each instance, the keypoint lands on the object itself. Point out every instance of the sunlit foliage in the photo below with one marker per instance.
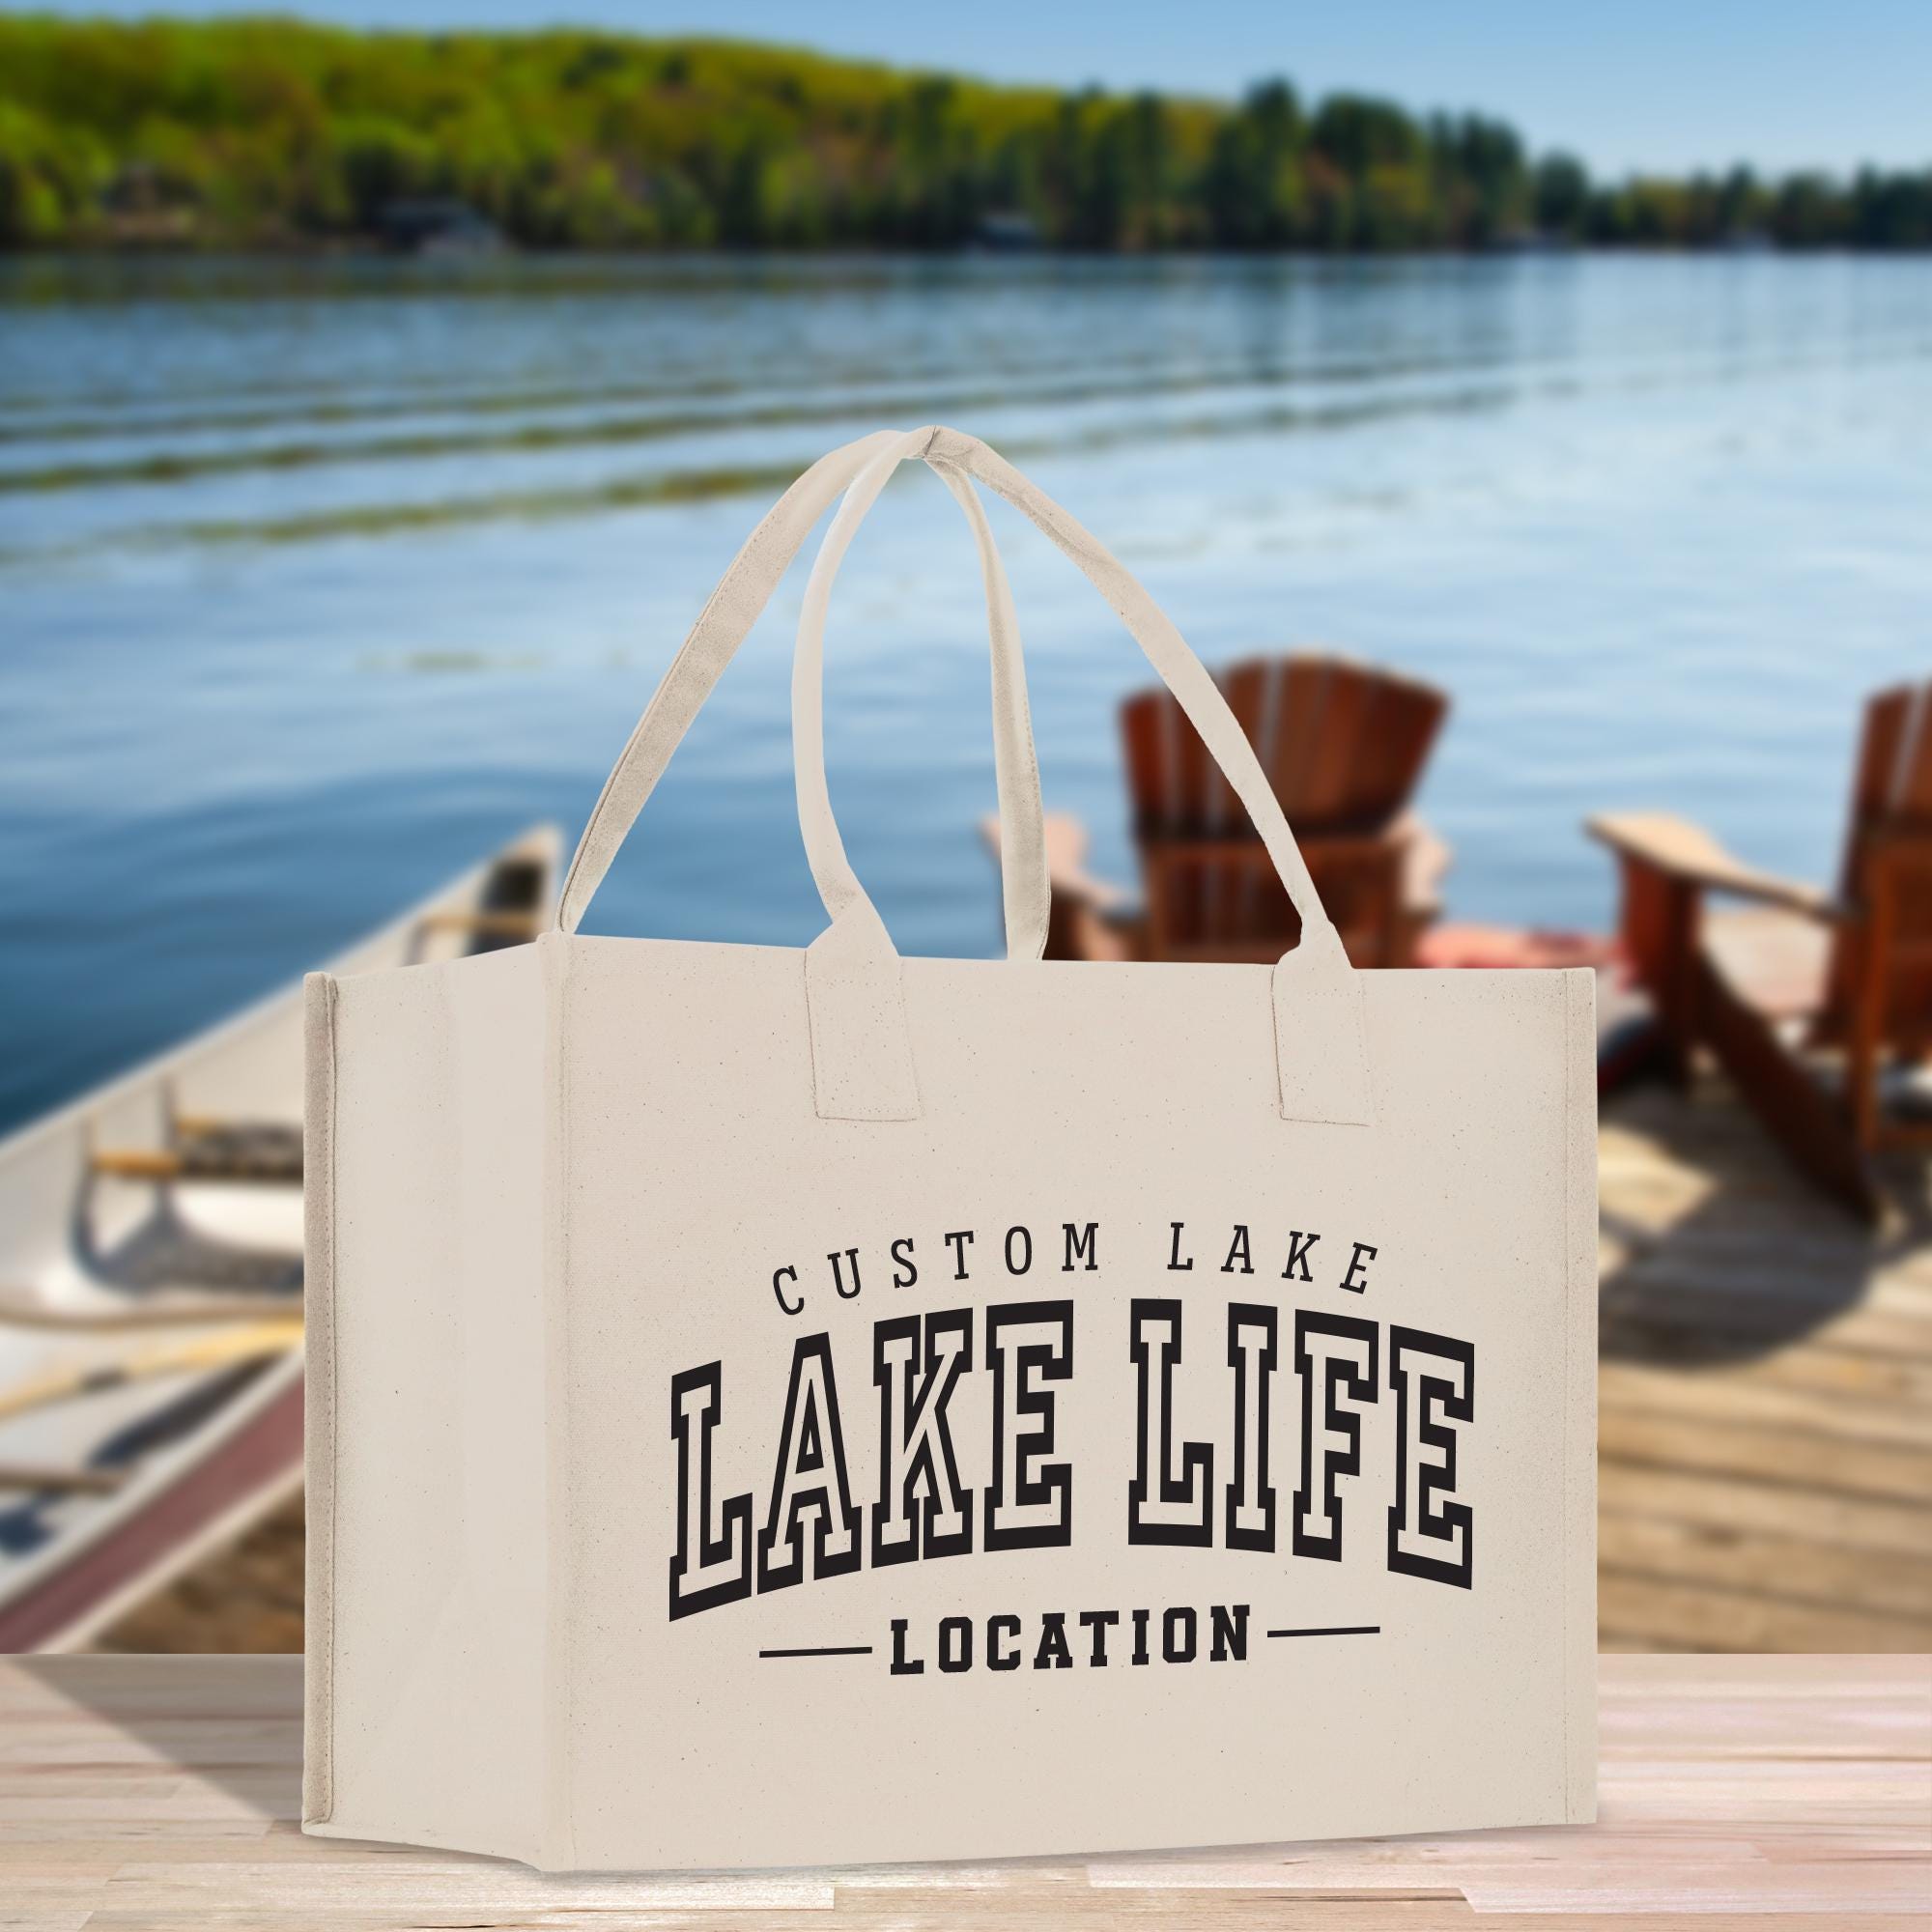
(277, 133)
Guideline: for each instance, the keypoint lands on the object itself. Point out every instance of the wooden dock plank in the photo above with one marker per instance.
(1819, 1520)
(1800, 1460)
(1873, 1419)
(1641, 1611)
(1789, 1568)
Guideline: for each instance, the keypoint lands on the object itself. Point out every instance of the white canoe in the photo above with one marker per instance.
(150, 1372)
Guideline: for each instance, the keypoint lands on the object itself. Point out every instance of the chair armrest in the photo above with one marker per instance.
(1426, 860)
(1067, 873)
(1688, 854)
(1088, 918)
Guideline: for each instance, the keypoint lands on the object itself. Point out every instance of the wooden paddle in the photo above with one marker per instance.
(23, 1309)
(204, 1351)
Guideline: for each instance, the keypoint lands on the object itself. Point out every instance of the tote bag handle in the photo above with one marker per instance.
(734, 607)
(862, 1060)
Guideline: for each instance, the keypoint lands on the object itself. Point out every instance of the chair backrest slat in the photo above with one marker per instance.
(1300, 704)
(1874, 779)
(1912, 770)
(1891, 799)
(1340, 747)
(1399, 737)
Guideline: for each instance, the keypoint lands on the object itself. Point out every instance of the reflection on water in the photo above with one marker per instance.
(318, 578)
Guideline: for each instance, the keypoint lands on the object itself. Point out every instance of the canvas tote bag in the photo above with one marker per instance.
(775, 1407)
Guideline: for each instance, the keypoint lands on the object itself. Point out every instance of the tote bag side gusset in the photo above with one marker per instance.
(557, 1839)
(427, 1583)
(318, 1396)
(1580, 1437)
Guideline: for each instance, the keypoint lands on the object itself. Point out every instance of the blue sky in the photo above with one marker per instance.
(1641, 84)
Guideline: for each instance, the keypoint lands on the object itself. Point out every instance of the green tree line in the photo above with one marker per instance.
(275, 133)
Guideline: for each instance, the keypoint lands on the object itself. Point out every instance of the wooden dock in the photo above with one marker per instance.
(1766, 1436)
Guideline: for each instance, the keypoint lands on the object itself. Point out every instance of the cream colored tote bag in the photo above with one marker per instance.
(775, 1408)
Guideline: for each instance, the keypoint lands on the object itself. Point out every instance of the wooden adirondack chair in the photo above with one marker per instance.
(1771, 1011)
(1344, 746)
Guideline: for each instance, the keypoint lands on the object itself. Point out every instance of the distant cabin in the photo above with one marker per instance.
(1007, 230)
(436, 227)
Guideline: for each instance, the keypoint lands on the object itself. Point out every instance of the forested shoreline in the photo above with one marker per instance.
(280, 134)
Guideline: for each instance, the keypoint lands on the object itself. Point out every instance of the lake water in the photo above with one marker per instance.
(319, 581)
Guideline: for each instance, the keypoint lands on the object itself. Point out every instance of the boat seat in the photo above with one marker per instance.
(260, 1152)
(505, 924)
